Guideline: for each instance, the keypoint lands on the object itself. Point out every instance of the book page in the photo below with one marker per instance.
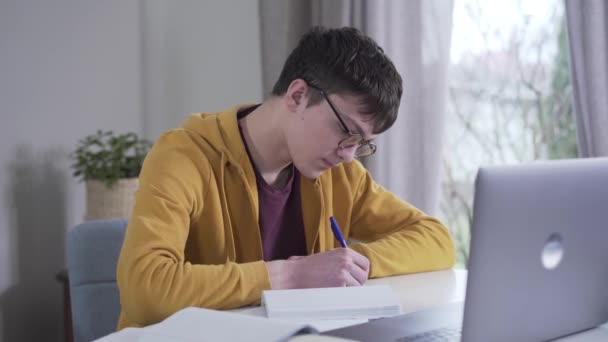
(321, 325)
(201, 325)
(361, 302)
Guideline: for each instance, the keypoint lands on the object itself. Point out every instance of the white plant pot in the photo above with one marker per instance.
(113, 202)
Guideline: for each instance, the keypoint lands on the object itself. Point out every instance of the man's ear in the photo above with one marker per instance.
(296, 95)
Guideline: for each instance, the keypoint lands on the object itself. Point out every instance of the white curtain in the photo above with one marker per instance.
(588, 38)
(416, 35)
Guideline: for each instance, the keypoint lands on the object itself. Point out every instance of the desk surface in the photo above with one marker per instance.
(425, 290)
(416, 292)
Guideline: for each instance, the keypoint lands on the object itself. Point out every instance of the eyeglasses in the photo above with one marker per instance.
(364, 147)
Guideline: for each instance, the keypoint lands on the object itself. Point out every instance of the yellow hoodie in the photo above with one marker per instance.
(193, 238)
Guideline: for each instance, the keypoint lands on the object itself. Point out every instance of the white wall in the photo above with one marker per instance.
(200, 56)
(68, 68)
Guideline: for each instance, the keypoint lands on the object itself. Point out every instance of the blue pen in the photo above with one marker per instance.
(337, 233)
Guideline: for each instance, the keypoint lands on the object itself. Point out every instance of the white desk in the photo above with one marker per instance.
(425, 290)
(417, 292)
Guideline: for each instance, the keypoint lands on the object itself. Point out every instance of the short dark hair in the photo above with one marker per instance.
(345, 61)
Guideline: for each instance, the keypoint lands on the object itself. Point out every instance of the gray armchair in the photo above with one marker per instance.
(92, 255)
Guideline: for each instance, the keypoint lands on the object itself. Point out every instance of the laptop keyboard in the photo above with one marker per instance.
(436, 335)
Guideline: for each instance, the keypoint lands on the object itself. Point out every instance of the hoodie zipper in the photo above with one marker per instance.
(238, 226)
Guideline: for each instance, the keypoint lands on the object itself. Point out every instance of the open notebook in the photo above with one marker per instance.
(334, 303)
(286, 313)
(201, 325)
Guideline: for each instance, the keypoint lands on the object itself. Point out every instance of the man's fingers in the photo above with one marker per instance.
(361, 261)
(359, 274)
(352, 280)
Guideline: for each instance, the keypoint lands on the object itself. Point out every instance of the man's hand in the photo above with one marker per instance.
(335, 268)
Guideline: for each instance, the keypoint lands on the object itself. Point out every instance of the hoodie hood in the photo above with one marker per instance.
(221, 132)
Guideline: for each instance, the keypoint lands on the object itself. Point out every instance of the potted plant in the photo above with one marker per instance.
(109, 164)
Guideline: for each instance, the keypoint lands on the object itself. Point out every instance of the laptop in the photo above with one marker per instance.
(538, 266)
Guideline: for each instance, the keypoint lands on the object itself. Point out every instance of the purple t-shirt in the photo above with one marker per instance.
(281, 225)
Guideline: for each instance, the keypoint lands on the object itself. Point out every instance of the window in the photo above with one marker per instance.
(509, 97)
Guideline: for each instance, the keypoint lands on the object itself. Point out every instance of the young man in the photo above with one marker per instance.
(238, 202)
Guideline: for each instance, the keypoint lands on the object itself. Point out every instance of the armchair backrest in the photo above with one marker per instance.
(92, 251)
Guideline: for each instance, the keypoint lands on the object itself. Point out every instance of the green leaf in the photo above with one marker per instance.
(108, 157)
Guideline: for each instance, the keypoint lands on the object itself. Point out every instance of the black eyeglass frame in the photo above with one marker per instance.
(364, 147)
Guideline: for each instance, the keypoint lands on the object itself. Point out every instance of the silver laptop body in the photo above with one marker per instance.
(538, 267)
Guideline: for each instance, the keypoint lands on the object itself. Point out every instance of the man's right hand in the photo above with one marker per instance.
(335, 268)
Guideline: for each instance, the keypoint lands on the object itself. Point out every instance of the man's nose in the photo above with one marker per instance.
(347, 154)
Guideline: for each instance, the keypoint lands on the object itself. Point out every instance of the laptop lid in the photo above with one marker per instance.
(539, 251)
